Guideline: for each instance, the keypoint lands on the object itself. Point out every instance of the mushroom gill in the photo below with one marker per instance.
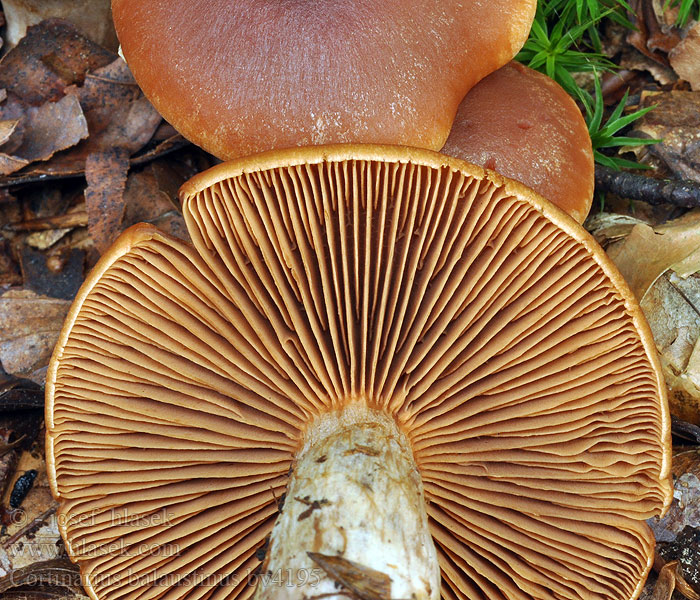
(477, 319)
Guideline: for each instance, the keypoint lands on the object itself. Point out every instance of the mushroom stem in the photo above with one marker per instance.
(354, 518)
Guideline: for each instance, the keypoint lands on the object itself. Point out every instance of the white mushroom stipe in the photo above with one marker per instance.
(354, 494)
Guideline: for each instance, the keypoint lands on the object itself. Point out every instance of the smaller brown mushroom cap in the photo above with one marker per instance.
(524, 125)
(242, 77)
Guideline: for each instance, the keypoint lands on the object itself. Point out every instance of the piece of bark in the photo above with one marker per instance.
(685, 508)
(20, 394)
(106, 174)
(686, 550)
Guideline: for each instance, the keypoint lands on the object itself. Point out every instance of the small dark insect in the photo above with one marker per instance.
(22, 487)
(312, 504)
(262, 550)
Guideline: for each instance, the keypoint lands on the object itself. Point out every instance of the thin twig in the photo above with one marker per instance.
(74, 219)
(679, 192)
(30, 527)
(685, 430)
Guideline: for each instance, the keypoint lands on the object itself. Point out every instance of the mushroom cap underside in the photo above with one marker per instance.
(484, 320)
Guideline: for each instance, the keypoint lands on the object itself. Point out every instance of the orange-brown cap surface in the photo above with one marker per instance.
(251, 75)
(483, 320)
(523, 125)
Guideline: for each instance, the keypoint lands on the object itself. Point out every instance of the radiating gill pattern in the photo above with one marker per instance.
(186, 378)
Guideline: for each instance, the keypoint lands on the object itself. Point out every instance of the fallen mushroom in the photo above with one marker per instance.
(523, 125)
(444, 372)
(242, 77)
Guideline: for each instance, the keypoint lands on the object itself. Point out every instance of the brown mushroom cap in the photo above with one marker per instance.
(485, 321)
(523, 125)
(242, 77)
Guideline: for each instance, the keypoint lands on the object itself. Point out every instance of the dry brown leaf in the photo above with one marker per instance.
(104, 197)
(52, 56)
(671, 579)
(51, 127)
(641, 252)
(72, 163)
(676, 121)
(10, 164)
(671, 307)
(92, 17)
(47, 129)
(13, 109)
(117, 112)
(648, 36)
(665, 584)
(631, 59)
(685, 57)
(666, 14)
(150, 197)
(101, 94)
(115, 202)
(662, 267)
(29, 327)
(7, 128)
(360, 581)
(684, 588)
(607, 228)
